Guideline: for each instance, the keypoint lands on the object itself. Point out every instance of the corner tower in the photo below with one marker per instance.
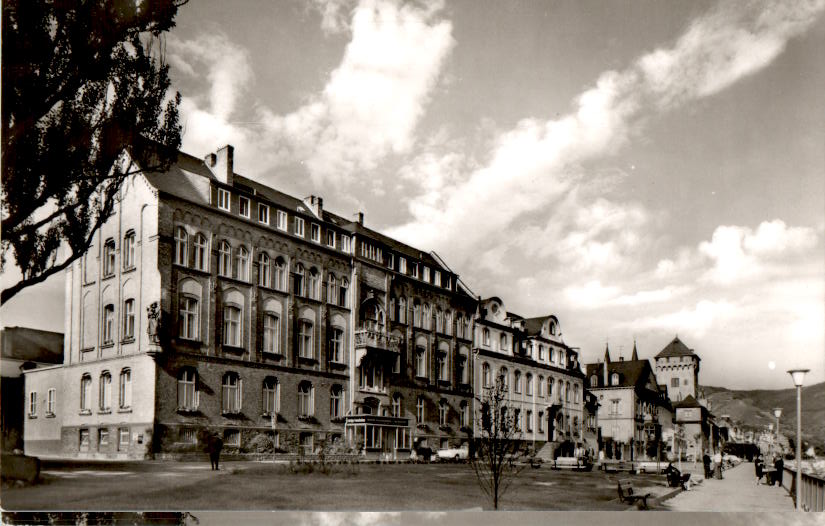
(677, 367)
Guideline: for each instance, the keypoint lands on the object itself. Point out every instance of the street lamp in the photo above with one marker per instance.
(798, 376)
(777, 412)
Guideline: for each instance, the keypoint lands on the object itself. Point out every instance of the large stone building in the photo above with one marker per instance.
(632, 408)
(211, 302)
(677, 367)
(542, 375)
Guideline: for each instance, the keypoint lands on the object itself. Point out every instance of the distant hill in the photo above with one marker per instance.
(754, 409)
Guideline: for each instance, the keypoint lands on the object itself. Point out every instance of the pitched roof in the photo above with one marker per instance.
(631, 373)
(688, 401)
(676, 348)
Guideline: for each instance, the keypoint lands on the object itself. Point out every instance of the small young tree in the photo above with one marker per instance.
(498, 454)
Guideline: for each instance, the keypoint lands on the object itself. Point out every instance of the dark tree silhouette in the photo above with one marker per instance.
(85, 104)
(498, 455)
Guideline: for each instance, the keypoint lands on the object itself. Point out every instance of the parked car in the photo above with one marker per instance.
(454, 453)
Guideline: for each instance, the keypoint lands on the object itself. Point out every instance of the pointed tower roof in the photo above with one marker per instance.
(676, 348)
(606, 353)
(635, 355)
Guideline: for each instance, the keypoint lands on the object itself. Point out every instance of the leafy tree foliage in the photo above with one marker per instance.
(85, 104)
(499, 455)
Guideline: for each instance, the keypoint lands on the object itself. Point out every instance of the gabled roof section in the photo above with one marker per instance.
(632, 373)
(676, 348)
(688, 401)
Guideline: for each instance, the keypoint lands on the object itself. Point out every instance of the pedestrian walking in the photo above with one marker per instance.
(706, 463)
(717, 460)
(779, 464)
(757, 466)
(214, 445)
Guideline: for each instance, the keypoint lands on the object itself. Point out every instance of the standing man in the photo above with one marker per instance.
(214, 447)
(706, 463)
(717, 460)
(779, 464)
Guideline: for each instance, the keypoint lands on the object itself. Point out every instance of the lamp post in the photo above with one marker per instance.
(777, 412)
(798, 376)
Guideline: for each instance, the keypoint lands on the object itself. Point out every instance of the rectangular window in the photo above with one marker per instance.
(529, 421)
(223, 199)
(102, 438)
(108, 324)
(305, 348)
(281, 220)
(391, 261)
(123, 439)
(263, 213)
(674, 382)
(306, 443)
(426, 274)
(32, 404)
(232, 437)
(188, 318)
(125, 389)
(437, 278)
(442, 367)
(415, 270)
(402, 265)
(84, 440)
(315, 233)
(270, 342)
(336, 351)
(109, 258)
(420, 362)
(243, 206)
(346, 244)
(331, 238)
(419, 411)
(299, 227)
(232, 326)
(51, 401)
(129, 250)
(129, 319)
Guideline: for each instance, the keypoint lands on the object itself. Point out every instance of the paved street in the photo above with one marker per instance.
(736, 492)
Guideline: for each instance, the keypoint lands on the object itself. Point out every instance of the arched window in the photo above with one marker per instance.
(504, 378)
(517, 381)
(528, 387)
(576, 393)
(105, 391)
(189, 310)
(419, 410)
(550, 382)
(225, 259)
(461, 368)
(485, 374)
(306, 400)
(279, 277)
(187, 390)
(129, 319)
(560, 391)
(264, 275)
(305, 341)
(335, 401)
(242, 264)
(427, 317)
(553, 328)
(271, 336)
(125, 389)
(448, 323)
(86, 393)
(129, 249)
(108, 324)
(298, 285)
(109, 257)
(441, 363)
(416, 314)
(181, 246)
(271, 396)
(314, 284)
(614, 379)
(420, 362)
(567, 392)
(485, 336)
(336, 345)
(397, 403)
(231, 393)
(332, 289)
(343, 293)
(232, 316)
(541, 352)
(503, 343)
(439, 320)
(540, 387)
(201, 253)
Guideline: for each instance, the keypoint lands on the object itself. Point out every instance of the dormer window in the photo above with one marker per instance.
(299, 227)
(263, 214)
(223, 199)
(552, 328)
(614, 379)
(426, 274)
(316, 233)
(437, 279)
(243, 207)
(594, 381)
(402, 265)
(415, 270)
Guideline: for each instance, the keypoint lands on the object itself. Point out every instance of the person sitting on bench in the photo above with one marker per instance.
(675, 477)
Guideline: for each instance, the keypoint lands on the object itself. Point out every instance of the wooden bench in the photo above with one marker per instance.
(627, 494)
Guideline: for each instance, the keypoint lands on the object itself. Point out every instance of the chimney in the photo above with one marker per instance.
(360, 218)
(221, 163)
(316, 204)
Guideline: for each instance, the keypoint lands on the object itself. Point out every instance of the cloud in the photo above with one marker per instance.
(369, 108)
(696, 320)
(739, 253)
(536, 164)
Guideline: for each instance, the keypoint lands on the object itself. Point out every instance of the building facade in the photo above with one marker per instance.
(677, 367)
(210, 302)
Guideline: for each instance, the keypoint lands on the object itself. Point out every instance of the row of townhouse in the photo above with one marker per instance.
(211, 302)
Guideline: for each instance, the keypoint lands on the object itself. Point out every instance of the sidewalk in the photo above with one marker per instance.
(736, 492)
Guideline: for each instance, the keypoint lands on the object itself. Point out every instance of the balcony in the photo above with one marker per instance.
(371, 337)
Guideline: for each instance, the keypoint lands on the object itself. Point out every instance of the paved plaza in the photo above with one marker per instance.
(737, 491)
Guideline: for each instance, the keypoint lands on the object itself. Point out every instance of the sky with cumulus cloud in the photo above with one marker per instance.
(639, 168)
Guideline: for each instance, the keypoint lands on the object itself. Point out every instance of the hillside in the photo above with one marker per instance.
(754, 409)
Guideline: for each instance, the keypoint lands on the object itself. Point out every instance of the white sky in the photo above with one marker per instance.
(639, 168)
